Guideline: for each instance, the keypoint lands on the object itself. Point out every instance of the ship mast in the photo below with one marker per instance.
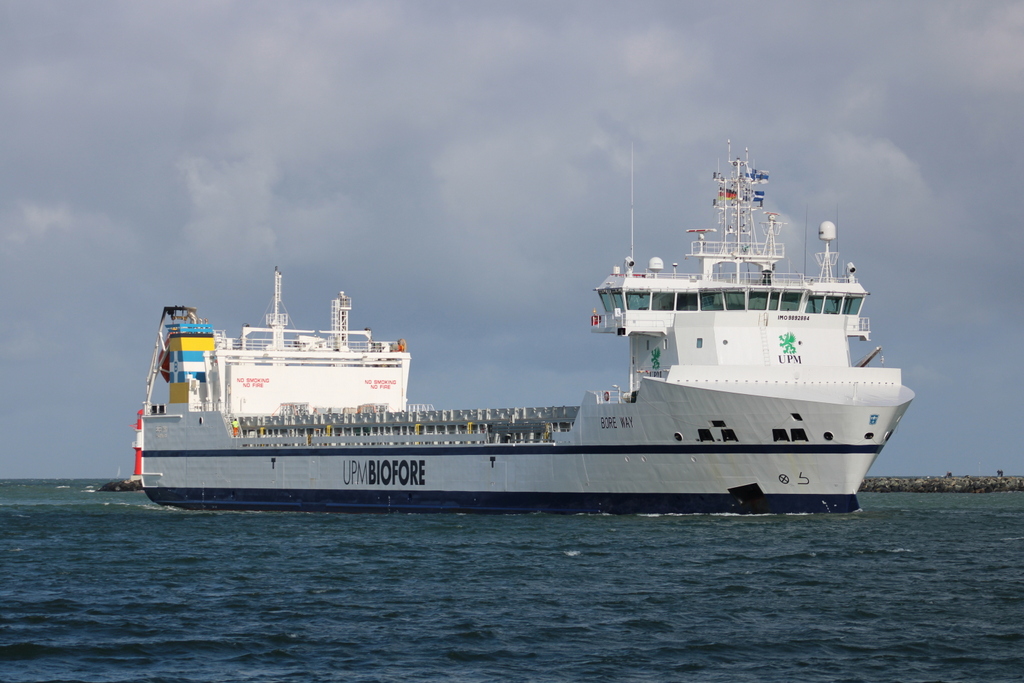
(340, 308)
(736, 203)
(277, 320)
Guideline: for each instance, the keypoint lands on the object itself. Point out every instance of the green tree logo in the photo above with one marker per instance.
(656, 359)
(788, 343)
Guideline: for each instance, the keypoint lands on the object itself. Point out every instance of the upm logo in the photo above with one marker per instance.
(788, 343)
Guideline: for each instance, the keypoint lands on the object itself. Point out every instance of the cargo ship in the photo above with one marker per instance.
(741, 398)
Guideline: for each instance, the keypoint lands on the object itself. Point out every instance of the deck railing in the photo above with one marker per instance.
(302, 344)
(730, 249)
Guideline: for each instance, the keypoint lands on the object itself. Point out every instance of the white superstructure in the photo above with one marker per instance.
(741, 397)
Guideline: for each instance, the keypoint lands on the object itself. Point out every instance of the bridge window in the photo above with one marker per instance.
(814, 303)
(704, 435)
(852, 305)
(663, 301)
(773, 301)
(638, 301)
(758, 300)
(833, 304)
(711, 301)
(790, 301)
(606, 301)
(686, 301)
(736, 300)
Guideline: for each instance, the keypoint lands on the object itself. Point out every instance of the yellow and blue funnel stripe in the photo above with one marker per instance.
(187, 346)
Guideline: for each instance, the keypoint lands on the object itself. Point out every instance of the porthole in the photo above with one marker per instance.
(693, 459)
(627, 458)
(869, 436)
(725, 341)
(643, 459)
(887, 435)
(679, 437)
(829, 436)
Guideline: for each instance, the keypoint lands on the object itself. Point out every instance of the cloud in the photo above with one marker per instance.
(232, 208)
(38, 222)
(508, 183)
(24, 341)
(978, 46)
(884, 188)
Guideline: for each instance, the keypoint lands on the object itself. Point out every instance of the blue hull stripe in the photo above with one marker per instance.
(528, 449)
(488, 502)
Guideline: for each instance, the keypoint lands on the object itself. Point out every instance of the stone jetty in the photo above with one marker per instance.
(942, 484)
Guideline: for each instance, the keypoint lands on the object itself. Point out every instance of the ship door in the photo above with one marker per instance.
(498, 476)
(314, 470)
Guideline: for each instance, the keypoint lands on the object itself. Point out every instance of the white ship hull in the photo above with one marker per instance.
(617, 458)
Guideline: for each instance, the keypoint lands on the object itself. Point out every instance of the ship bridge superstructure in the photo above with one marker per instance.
(738, 310)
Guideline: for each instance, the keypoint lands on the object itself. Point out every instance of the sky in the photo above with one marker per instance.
(462, 170)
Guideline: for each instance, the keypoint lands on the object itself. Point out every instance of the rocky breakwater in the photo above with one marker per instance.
(942, 484)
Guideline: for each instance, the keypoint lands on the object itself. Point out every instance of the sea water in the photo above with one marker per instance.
(109, 587)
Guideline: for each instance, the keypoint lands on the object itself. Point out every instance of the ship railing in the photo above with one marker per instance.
(746, 279)
(609, 321)
(859, 325)
(339, 440)
(522, 425)
(303, 344)
(613, 395)
(350, 417)
(292, 409)
(762, 279)
(500, 434)
(741, 250)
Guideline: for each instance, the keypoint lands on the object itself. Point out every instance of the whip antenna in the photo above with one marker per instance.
(631, 256)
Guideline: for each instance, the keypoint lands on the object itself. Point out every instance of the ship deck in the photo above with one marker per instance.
(301, 426)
